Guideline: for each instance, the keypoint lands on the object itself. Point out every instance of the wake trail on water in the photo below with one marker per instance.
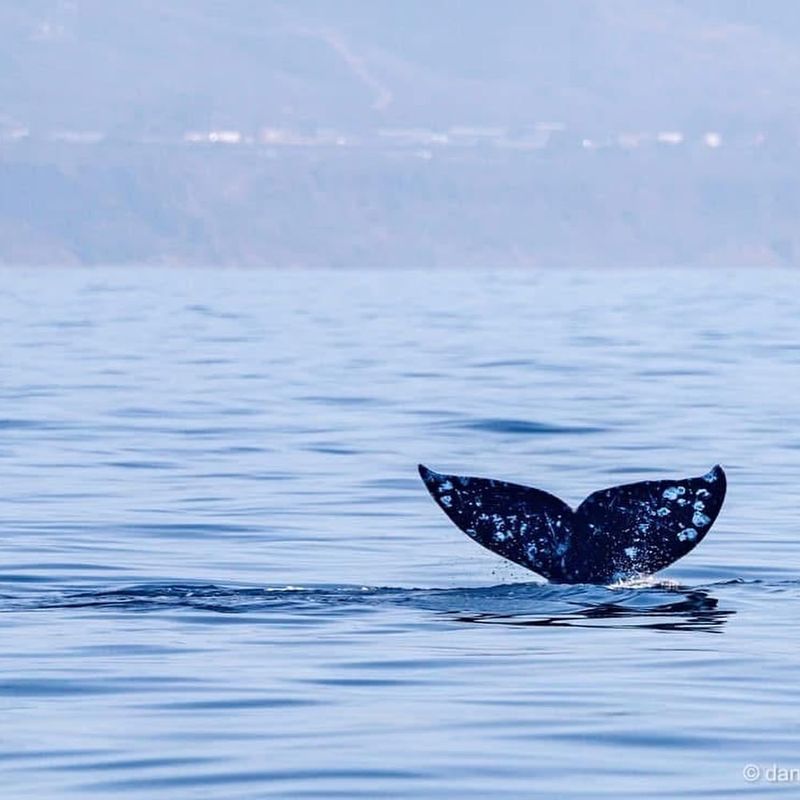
(645, 602)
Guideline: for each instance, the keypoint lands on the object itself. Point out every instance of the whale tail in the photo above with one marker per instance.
(616, 533)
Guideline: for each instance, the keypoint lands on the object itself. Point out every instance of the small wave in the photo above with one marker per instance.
(523, 427)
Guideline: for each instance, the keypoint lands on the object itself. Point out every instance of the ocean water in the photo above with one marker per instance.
(220, 576)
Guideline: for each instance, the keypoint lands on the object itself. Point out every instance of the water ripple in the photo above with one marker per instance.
(522, 427)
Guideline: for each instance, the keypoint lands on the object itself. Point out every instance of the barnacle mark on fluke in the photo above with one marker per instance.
(616, 533)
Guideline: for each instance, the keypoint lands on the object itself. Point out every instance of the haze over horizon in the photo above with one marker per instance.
(441, 133)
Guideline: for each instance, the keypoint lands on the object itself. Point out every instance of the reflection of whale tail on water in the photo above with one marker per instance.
(616, 533)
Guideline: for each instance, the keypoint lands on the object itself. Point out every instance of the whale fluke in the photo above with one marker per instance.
(616, 533)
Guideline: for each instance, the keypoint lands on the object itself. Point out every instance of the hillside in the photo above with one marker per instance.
(149, 65)
(428, 132)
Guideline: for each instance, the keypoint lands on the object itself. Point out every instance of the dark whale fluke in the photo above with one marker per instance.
(616, 533)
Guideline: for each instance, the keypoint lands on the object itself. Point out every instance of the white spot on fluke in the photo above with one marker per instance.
(700, 520)
(687, 535)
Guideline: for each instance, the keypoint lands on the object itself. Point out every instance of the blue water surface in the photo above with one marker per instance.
(220, 576)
